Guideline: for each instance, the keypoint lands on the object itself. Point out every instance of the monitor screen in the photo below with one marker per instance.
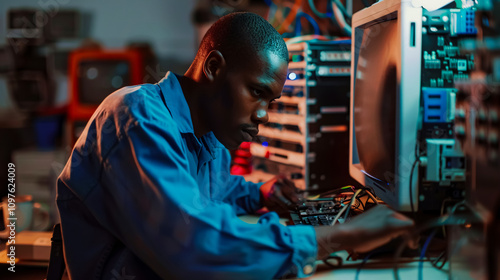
(28, 90)
(99, 78)
(375, 99)
(64, 24)
(22, 19)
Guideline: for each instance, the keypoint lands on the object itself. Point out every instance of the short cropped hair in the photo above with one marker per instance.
(242, 35)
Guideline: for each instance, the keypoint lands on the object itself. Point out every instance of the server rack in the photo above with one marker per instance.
(307, 136)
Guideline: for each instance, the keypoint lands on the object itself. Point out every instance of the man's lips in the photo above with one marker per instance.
(249, 134)
(252, 131)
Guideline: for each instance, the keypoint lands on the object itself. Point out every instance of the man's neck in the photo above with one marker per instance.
(192, 91)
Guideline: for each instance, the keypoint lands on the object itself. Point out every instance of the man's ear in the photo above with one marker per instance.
(213, 65)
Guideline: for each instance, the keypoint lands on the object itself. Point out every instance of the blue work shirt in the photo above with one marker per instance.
(141, 196)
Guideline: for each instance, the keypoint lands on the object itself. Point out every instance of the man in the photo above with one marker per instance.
(147, 193)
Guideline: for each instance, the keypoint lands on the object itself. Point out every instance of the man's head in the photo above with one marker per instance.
(242, 62)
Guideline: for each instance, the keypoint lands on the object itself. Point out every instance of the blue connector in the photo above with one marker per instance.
(462, 22)
(439, 104)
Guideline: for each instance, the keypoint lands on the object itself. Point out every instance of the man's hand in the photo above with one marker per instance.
(364, 233)
(279, 194)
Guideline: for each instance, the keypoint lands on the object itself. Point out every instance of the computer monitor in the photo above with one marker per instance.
(385, 99)
(65, 24)
(29, 90)
(94, 74)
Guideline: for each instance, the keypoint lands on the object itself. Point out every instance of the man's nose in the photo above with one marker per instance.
(261, 115)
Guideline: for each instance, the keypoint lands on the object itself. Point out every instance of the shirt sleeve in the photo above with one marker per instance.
(244, 196)
(150, 202)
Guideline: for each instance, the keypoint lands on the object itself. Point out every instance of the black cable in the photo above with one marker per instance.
(353, 197)
(442, 257)
(411, 189)
(436, 260)
(361, 202)
(443, 263)
(422, 254)
(451, 219)
(417, 160)
(336, 191)
(356, 204)
(365, 259)
(371, 195)
(366, 3)
(321, 199)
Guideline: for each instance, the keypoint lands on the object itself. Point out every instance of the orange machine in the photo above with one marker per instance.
(93, 75)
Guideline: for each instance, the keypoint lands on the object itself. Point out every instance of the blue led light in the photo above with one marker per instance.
(265, 144)
(292, 76)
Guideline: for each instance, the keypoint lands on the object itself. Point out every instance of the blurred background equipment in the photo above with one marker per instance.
(406, 62)
(36, 77)
(94, 74)
(307, 133)
(416, 96)
(26, 26)
(478, 129)
(478, 107)
(241, 160)
(206, 12)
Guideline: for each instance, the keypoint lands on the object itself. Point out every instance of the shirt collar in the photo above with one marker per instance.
(179, 109)
(176, 102)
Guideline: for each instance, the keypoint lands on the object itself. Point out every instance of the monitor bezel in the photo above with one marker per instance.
(396, 195)
(83, 111)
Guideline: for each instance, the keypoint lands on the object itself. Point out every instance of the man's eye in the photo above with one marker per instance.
(257, 92)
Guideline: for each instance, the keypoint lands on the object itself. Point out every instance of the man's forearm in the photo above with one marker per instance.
(330, 239)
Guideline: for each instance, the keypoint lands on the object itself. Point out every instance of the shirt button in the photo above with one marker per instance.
(308, 269)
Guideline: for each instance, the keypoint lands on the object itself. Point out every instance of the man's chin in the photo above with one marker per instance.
(231, 145)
